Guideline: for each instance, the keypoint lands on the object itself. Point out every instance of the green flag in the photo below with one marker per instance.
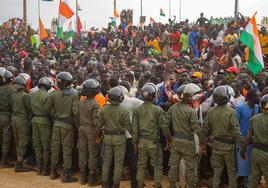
(35, 41)
(162, 13)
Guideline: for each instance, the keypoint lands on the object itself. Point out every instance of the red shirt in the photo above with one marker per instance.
(177, 45)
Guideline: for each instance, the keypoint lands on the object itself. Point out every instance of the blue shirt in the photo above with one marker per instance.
(193, 39)
(163, 97)
(244, 114)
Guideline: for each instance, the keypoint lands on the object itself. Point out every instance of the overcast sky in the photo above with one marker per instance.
(97, 12)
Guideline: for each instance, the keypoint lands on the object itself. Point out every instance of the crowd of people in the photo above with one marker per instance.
(180, 95)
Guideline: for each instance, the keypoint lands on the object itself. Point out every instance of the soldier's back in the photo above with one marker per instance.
(5, 102)
(259, 125)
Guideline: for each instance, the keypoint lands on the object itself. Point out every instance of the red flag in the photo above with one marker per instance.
(79, 26)
(152, 20)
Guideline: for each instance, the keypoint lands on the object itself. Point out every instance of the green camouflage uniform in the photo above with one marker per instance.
(88, 121)
(115, 120)
(21, 115)
(5, 118)
(224, 126)
(185, 123)
(148, 120)
(258, 130)
(64, 112)
(41, 127)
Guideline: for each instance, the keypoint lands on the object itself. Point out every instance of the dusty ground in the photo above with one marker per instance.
(10, 179)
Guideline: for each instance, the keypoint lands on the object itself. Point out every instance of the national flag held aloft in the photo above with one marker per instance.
(162, 13)
(43, 32)
(152, 20)
(116, 14)
(65, 13)
(250, 38)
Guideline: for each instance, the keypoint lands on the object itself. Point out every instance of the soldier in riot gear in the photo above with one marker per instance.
(6, 91)
(184, 121)
(115, 121)
(21, 116)
(222, 121)
(258, 133)
(146, 135)
(88, 119)
(41, 126)
(63, 108)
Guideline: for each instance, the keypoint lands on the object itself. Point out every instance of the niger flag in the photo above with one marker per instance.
(42, 31)
(116, 14)
(250, 38)
(65, 13)
(152, 20)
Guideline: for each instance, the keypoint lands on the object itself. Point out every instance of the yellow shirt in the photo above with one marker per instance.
(154, 44)
(264, 44)
(231, 38)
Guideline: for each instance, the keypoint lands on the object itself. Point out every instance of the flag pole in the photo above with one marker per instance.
(141, 8)
(39, 9)
(76, 11)
(58, 18)
(114, 6)
(180, 11)
(236, 10)
(169, 9)
(25, 14)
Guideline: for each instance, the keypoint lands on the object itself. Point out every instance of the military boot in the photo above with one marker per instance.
(45, 169)
(83, 177)
(5, 163)
(116, 185)
(67, 178)
(172, 185)
(93, 179)
(134, 184)
(53, 173)
(158, 185)
(105, 185)
(20, 168)
(140, 184)
(39, 169)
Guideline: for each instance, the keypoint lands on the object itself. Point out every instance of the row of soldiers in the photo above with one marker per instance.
(54, 116)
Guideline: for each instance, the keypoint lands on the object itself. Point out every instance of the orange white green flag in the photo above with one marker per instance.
(65, 13)
(250, 38)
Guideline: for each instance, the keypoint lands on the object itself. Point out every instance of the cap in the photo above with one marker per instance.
(197, 75)
(232, 69)
(181, 70)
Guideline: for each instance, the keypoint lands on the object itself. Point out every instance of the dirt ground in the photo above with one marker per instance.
(10, 179)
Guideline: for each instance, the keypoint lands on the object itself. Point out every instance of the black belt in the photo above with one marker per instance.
(39, 115)
(183, 137)
(114, 133)
(64, 120)
(262, 147)
(225, 140)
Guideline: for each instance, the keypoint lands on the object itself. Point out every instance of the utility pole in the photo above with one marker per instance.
(169, 9)
(141, 8)
(236, 10)
(76, 12)
(25, 13)
(180, 11)
(114, 6)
